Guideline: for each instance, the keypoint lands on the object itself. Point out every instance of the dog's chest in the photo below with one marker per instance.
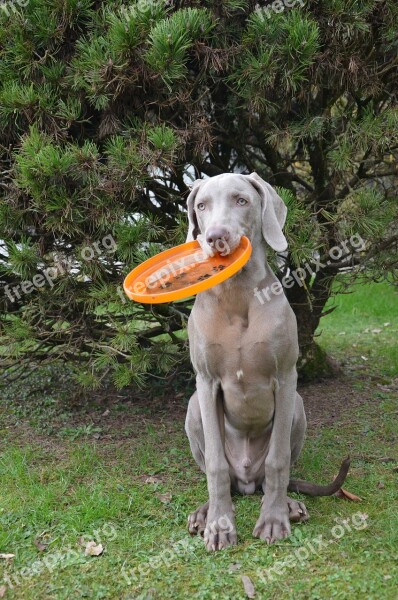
(241, 350)
(234, 349)
(245, 366)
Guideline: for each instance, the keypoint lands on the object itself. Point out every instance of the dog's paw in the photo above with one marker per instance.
(272, 526)
(197, 520)
(220, 532)
(297, 511)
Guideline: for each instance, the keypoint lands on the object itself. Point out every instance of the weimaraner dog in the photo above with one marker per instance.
(245, 421)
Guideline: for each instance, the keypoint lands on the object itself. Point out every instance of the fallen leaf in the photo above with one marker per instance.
(376, 330)
(152, 480)
(7, 556)
(380, 485)
(386, 324)
(248, 586)
(345, 495)
(364, 358)
(165, 498)
(106, 413)
(3, 590)
(41, 547)
(234, 567)
(342, 333)
(93, 549)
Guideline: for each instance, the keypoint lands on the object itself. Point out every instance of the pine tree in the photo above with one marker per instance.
(108, 110)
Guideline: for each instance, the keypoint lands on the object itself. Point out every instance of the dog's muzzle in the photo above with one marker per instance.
(220, 240)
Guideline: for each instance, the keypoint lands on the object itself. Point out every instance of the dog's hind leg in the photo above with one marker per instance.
(194, 431)
(299, 427)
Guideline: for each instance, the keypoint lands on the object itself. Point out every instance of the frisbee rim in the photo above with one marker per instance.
(189, 290)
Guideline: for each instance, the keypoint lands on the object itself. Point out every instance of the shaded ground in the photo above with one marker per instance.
(332, 401)
(115, 416)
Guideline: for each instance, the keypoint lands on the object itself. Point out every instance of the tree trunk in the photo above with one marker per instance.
(308, 305)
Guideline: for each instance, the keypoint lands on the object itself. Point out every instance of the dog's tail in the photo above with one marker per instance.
(313, 489)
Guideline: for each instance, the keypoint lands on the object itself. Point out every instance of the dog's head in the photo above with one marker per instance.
(225, 207)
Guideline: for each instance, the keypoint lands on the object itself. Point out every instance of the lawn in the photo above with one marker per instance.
(362, 331)
(117, 470)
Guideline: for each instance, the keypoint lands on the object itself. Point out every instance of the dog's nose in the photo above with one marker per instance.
(217, 235)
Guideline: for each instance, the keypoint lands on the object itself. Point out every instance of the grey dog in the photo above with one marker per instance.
(245, 422)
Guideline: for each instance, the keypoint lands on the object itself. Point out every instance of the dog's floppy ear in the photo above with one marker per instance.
(193, 227)
(273, 213)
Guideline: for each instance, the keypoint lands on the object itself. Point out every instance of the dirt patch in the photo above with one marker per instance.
(330, 401)
(123, 417)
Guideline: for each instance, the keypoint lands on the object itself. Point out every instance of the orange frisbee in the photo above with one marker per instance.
(183, 271)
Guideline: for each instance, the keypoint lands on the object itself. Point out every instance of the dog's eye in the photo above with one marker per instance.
(201, 206)
(241, 201)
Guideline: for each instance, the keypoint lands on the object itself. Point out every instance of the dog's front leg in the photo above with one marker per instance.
(220, 530)
(273, 523)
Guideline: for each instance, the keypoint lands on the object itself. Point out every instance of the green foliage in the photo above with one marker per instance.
(109, 110)
(22, 258)
(277, 52)
(163, 138)
(172, 38)
(129, 27)
(366, 212)
(300, 229)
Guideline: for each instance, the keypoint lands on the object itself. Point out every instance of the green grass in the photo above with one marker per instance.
(363, 330)
(58, 483)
